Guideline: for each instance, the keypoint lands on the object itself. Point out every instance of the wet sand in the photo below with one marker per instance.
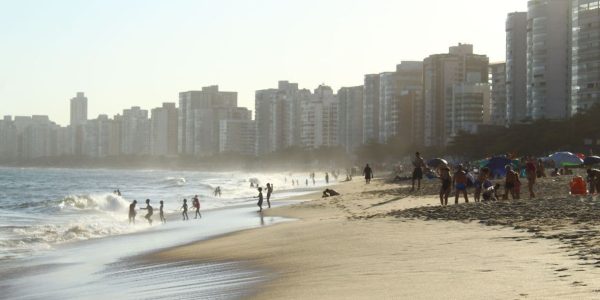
(383, 241)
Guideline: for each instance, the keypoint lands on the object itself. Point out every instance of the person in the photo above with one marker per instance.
(417, 175)
(368, 172)
(269, 192)
(594, 178)
(541, 169)
(118, 192)
(555, 173)
(219, 190)
(490, 191)
(510, 183)
(260, 197)
(162, 213)
(132, 212)
(460, 184)
(307, 182)
(150, 210)
(326, 177)
(330, 193)
(185, 208)
(196, 204)
(481, 178)
(531, 174)
(216, 191)
(446, 187)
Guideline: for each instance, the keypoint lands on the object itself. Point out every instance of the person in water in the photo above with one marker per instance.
(460, 184)
(132, 212)
(269, 192)
(185, 208)
(260, 198)
(150, 210)
(162, 213)
(196, 204)
(326, 177)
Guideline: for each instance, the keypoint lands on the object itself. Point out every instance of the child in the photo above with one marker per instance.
(260, 198)
(185, 207)
(162, 214)
(150, 210)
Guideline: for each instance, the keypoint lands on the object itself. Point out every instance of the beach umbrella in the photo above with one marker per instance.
(497, 165)
(565, 159)
(591, 160)
(436, 162)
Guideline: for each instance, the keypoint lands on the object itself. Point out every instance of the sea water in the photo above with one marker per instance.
(63, 231)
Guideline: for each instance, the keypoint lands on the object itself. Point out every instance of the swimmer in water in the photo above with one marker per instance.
(132, 212)
(150, 210)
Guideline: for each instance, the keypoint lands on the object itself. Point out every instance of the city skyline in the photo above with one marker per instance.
(132, 56)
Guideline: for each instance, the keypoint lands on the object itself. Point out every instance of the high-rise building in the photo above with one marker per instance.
(238, 136)
(350, 114)
(469, 107)
(585, 55)
(319, 119)
(164, 124)
(8, 139)
(371, 109)
(548, 55)
(135, 132)
(498, 107)
(397, 91)
(442, 72)
(199, 116)
(278, 116)
(79, 113)
(516, 67)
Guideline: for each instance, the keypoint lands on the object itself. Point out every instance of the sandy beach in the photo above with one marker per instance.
(383, 241)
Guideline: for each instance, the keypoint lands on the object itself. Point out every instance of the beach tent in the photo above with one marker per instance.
(591, 160)
(497, 165)
(565, 159)
(436, 162)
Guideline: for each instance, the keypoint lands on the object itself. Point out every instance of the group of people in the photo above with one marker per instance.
(150, 210)
(269, 189)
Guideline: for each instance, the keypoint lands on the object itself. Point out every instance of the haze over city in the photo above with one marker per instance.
(143, 53)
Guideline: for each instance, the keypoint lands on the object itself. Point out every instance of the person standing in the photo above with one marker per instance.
(446, 187)
(185, 209)
(531, 174)
(269, 192)
(417, 175)
(132, 212)
(510, 184)
(326, 177)
(162, 213)
(260, 198)
(594, 180)
(368, 172)
(150, 210)
(460, 184)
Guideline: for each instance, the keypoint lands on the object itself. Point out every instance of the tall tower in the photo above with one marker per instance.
(516, 67)
(548, 52)
(585, 55)
(79, 113)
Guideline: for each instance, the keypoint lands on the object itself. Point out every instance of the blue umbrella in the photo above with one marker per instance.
(563, 159)
(497, 165)
(591, 160)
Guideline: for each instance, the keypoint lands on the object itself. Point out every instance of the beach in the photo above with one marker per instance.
(383, 241)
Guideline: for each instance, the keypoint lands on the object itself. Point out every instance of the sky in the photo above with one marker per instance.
(125, 53)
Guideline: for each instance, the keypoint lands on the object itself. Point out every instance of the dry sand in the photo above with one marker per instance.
(372, 242)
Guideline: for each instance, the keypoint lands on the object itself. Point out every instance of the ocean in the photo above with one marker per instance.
(69, 227)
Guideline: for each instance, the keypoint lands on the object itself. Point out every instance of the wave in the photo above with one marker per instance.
(102, 202)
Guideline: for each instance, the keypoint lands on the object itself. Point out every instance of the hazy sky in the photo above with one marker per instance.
(142, 53)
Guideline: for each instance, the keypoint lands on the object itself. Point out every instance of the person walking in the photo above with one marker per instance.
(260, 198)
(162, 213)
(269, 192)
(196, 204)
(185, 209)
(368, 173)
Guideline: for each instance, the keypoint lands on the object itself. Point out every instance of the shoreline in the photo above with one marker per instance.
(333, 251)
